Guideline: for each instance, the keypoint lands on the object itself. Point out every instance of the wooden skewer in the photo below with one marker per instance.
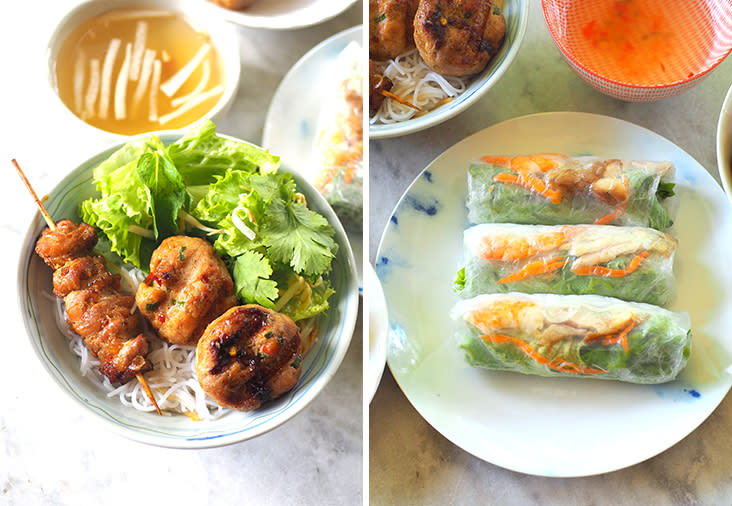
(52, 226)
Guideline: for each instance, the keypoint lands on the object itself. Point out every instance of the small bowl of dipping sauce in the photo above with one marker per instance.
(641, 50)
(129, 67)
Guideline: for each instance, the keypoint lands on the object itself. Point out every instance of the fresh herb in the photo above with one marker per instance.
(262, 354)
(297, 361)
(496, 10)
(381, 17)
(151, 307)
(182, 249)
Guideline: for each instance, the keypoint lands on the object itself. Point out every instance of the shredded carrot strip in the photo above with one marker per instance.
(619, 210)
(605, 272)
(542, 266)
(558, 364)
(609, 339)
(531, 183)
(501, 161)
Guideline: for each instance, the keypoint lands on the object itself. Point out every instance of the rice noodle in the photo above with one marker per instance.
(172, 380)
(415, 82)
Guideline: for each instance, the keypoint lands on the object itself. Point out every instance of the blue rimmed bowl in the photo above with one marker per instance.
(516, 13)
(38, 309)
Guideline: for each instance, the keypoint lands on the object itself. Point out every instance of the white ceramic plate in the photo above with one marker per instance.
(552, 426)
(378, 331)
(724, 143)
(292, 119)
(284, 14)
(38, 308)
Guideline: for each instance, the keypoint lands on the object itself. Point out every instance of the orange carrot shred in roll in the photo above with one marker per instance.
(605, 272)
(543, 266)
(557, 364)
(531, 183)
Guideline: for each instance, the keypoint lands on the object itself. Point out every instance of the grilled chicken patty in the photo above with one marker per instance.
(187, 288)
(248, 356)
(391, 27)
(458, 37)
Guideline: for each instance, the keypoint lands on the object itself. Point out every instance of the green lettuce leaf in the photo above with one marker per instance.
(200, 155)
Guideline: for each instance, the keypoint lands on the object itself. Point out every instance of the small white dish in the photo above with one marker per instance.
(283, 14)
(724, 144)
(38, 312)
(223, 37)
(516, 13)
(378, 332)
(291, 125)
(561, 427)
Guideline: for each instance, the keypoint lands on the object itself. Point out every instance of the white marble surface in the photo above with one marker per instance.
(411, 463)
(52, 453)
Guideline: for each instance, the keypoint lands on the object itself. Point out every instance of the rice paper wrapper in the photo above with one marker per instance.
(629, 263)
(578, 336)
(555, 190)
(338, 148)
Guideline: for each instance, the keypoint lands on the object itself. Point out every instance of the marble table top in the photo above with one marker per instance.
(409, 461)
(52, 453)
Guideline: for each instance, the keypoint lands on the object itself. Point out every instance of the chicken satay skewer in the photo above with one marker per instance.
(52, 225)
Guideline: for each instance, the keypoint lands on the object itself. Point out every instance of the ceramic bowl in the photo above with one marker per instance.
(38, 311)
(724, 144)
(710, 30)
(516, 13)
(222, 35)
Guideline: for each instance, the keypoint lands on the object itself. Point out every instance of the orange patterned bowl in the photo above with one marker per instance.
(641, 50)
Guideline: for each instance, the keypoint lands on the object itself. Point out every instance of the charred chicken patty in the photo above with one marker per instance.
(187, 288)
(248, 356)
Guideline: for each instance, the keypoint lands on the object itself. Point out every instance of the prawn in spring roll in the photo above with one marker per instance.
(579, 336)
(554, 189)
(629, 263)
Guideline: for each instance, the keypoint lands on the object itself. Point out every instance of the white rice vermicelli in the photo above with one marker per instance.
(173, 378)
(415, 82)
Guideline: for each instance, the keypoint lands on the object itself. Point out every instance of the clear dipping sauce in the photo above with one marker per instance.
(640, 42)
(134, 70)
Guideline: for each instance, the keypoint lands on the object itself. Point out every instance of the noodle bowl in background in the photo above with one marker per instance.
(394, 119)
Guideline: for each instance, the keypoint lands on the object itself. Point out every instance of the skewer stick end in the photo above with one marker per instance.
(149, 393)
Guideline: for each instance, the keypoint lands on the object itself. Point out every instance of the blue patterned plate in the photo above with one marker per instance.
(552, 426)
(38, 309)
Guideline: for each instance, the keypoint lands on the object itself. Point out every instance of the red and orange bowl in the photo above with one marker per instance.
(641, 50)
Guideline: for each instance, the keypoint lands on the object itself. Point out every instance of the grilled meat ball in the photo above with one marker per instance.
(377, 82)
(458, 37)
(391, 27)
(68, 241)
(94, 308)
(187, 288)
(248, 356)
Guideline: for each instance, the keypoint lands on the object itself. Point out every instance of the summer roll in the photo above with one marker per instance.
(338, 148)
(553, 189)
(629, 263)
(582, 336)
